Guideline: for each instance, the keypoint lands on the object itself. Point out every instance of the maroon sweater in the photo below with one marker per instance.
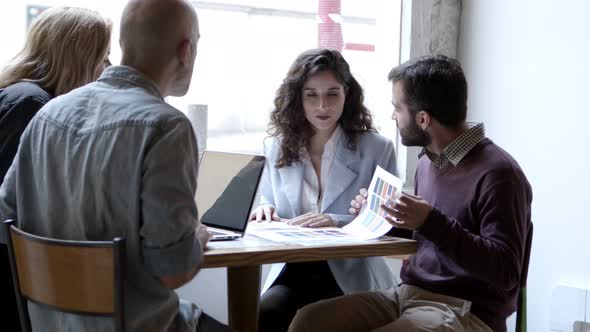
(472, 243)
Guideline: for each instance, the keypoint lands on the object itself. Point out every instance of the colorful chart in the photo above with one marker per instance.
(371, 223)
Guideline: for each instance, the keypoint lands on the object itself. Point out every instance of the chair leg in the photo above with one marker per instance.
(23, 311)
(521, 311)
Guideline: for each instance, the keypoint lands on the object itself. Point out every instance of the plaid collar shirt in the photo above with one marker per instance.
(458, 148)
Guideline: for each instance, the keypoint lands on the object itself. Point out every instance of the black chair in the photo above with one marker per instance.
(82, 277)
(521, 310)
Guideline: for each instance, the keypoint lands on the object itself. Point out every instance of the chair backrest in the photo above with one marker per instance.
(521, 310)
(84, 277)
(527, 256)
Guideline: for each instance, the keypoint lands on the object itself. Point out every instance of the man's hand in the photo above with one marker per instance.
(177, 280)
(410, 211)
(357, 203)
(203, 235)
(312, 220)
(267, 211)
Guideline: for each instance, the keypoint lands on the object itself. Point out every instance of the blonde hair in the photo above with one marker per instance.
(63, 49)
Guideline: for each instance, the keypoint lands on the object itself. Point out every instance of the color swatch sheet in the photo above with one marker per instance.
(371, 223)
(285, 233)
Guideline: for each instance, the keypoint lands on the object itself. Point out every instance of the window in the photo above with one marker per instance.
(246, 48)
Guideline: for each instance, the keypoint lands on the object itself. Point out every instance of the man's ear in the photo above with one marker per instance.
(423, 119)
(184, 51)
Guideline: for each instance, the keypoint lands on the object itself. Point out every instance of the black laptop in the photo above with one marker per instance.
(226, 188)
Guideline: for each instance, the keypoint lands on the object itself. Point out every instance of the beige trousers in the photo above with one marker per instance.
(405, 308)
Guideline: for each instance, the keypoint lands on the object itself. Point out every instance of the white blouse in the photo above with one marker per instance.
(311, 194)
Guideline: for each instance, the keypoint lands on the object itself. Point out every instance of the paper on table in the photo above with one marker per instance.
(285, 233)
(371, 223)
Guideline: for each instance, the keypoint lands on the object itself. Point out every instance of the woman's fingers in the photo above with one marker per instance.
(268, 213)
(275, 215)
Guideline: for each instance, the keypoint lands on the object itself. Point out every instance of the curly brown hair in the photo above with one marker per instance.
(287, 120)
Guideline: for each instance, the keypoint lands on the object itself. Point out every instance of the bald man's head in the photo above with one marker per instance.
(159, 37)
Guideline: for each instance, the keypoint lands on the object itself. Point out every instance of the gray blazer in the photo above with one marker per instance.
(281, 188)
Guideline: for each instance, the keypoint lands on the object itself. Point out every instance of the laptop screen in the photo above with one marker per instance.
(226, 188)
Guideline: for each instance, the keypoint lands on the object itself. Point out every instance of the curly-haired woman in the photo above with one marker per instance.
(322, 150)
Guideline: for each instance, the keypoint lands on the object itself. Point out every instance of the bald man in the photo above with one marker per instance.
(159, 38)
(112, 159)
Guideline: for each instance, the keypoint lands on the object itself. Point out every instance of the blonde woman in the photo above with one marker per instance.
(65, 48)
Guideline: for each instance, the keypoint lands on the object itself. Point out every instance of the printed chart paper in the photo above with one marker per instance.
(285, 233)
(371, 223)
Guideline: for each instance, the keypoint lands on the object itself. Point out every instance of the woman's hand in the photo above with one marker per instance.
(357, 203)
(312, 220)
(203, 235)
(268, 212)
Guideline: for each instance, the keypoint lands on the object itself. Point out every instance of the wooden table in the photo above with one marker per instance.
(243, 259)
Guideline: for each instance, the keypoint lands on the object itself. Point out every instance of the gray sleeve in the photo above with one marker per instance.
(8, 199)
(341, 220)
(265, 187)
(169, 211)
(389, 161)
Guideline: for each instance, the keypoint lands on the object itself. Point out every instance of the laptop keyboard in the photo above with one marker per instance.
(214, 232)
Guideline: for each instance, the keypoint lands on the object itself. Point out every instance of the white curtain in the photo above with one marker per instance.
(435, 27)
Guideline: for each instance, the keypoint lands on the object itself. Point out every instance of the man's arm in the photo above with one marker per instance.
(496, 254)
(172, 250)
(176, 281)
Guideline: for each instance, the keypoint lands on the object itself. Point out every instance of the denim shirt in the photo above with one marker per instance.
(106, 160)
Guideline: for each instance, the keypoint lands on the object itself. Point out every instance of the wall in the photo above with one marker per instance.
(526, 64)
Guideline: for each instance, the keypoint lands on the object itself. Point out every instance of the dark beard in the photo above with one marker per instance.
(412, 135)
